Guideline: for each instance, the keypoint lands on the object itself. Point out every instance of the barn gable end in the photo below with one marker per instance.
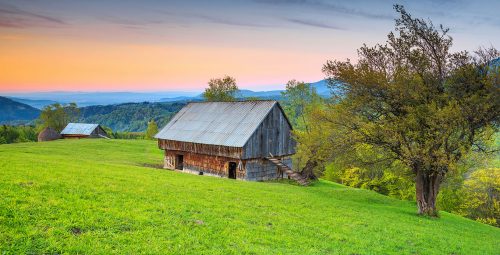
(272, 137)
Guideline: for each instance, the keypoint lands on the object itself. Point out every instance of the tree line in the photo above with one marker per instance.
(57, 116)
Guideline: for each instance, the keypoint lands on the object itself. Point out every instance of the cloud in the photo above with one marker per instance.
(11, 16)
(328, 7)
(231, 22)
(213, 19)
(314, 23)
(131, 23)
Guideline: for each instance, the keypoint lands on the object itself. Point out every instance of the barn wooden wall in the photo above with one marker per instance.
(263, 169)
(272, 136)
(251, 170)
(207, 149)
(215, 165)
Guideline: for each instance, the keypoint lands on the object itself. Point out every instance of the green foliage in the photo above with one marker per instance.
(58, 116)
(130, 117)
(473, 190)
(221, 89)
(252, 98)
(361, 168)
(108, 130)
(301, 104)
(299, 101)
(17, 134)
(152, 130)
(128, 135)
(481, 199)
(57, 198)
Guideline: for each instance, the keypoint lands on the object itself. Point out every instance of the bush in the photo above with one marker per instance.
(482, 196)
(128, 135)
(387, 181)
(17, 134)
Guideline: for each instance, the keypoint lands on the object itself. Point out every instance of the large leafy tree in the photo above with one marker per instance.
(221, 89)
(57, 116)
(423, 105)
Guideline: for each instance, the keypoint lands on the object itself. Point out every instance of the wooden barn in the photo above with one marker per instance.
(83, 130)
(248, 140)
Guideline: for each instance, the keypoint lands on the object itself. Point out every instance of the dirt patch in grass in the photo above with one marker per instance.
(76, 231)
(155, 166)
(26, 184)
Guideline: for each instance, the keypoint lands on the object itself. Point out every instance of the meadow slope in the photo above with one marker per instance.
(109, 197)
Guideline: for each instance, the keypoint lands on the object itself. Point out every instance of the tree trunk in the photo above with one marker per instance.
(427, 188)
(307, 172)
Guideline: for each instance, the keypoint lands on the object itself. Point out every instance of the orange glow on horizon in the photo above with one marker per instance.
(46, 64)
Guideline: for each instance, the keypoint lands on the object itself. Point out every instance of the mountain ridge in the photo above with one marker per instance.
(16, 111)
(83, 99)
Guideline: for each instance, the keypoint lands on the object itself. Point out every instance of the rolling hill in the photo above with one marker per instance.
(14, 111)
(110, 197)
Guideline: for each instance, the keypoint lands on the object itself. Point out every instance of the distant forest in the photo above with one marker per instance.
(130, 117)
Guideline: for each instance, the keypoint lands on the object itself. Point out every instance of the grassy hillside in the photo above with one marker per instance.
(106, 196)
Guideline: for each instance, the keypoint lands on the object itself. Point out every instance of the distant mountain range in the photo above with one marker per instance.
(39, 104)
(82, 99)
(15, 111)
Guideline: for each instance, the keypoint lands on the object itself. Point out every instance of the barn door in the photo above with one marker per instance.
(232, 170)
(179, 162)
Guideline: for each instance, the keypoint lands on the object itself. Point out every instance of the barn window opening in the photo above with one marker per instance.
(232, 170)
(179, 162)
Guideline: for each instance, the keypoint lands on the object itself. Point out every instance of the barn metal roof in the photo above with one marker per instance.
(79, 129)
(217, 123)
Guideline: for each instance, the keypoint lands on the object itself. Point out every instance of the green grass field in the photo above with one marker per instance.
(109, 197)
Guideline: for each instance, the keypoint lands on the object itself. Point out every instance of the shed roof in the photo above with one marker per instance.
(48, 134)
(217, 123)
(79, 129)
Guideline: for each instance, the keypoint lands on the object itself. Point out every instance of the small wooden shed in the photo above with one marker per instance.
(83, 130)
(48, 134)
(248, 140)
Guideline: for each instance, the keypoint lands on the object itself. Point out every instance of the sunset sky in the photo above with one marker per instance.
(148, 45)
